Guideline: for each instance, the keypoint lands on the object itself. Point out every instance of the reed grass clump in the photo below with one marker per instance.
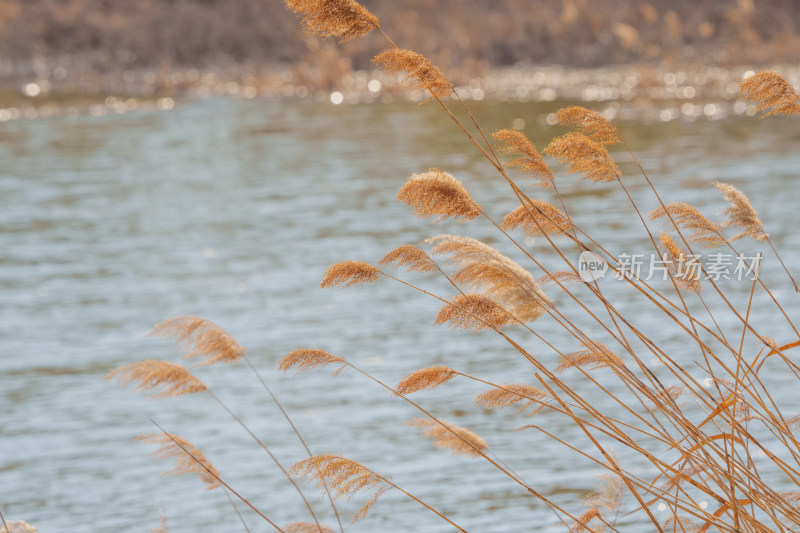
(678, 411)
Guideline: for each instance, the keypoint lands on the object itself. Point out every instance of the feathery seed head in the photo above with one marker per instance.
(565, 277)
(344, 477)
(537, 219)
(454, 438)
(529, 161)
(189, 459)
(703, 232)
(343, 19)
(425, 378)
(349, 273)
(686, 277)
(741, 214)
(595, 356)
(473, 311)
(306, 527)
(438, 193)
(498, 276)
(411, 257)
(172, 378)
(303, 359)
(417, 70)
(199, 337)
(582, 155)
(590, 123)
(509, 394)
(772, 93)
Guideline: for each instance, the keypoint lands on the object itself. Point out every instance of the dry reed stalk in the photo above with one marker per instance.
(438, 193)
(199, 337)
(772, 93)
(446, 435)
(172, 379)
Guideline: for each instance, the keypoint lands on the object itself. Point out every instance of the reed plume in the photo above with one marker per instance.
(772, 93)
(417, 71)
(584, 156)
(343, 476)
(686, 278)
(590, 123)
(596, 356)
(564, 277)
(411, 257)
(306, 527)
(538, 219)
(349, 273)
(451, 437)
(438, 193)
(498, 276)
(741, 214)
(343, 19)
(303, 359)
(581, 524)
(513, 394)
(702, 231)
(425, 378)
(162, 525)
(608, 499)
(189, 459)
(199, 337)
(473, 311)
(172, 378)
(530, 161)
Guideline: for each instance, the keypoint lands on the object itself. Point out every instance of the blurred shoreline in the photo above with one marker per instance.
(622, 92)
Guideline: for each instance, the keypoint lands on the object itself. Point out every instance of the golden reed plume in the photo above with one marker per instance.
(590, 123)
(425, 378)
(564, 277)
(344, 477)
(741, 214)
(582, 155)
(772, 93)
(513, 394)
(537, 219)
(343, 19)
(502, 279)
(473, 311)
(304, 359)
(451, 437)
(349, 273)
(306, 527)
(172, 378)
(199, 337)
(703, 232)
(189, 460)
(686, 278)
(411, 257)
(595, 356)
(581, 524)
(417, 70)
(530, 161)
(438, 193)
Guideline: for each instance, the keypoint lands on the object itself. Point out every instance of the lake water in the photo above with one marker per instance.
(232, 210)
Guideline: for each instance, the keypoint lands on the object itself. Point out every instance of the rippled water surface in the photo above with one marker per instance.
(232, 210)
